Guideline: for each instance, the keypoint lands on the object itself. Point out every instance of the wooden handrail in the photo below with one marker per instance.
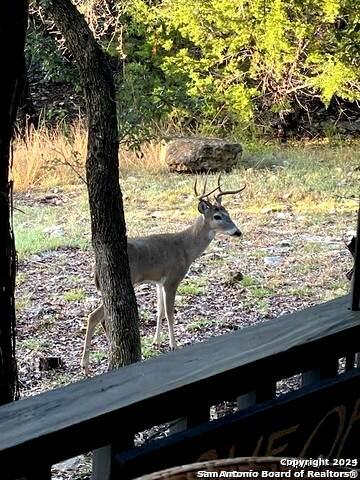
(89, 414)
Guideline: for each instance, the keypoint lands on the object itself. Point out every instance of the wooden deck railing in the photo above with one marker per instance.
(108, 410)
(103, 413)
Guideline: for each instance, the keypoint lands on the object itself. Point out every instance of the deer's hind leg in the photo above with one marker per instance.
(160, 313)
(94, 318)
(103, 324)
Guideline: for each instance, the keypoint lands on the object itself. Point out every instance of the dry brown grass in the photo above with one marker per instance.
(312, 179)
(150, 158)
(43, 159)
(48, 158)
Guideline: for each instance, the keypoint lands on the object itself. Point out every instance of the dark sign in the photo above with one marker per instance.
(315, 421)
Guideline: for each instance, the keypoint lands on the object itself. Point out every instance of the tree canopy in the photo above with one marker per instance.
(229, 63)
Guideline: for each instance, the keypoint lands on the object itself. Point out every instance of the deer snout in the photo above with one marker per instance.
(234, 232)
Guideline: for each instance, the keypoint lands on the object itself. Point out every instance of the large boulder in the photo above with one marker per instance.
(192, 154)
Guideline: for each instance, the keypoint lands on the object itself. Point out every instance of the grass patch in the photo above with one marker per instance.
(199, 324)
(248, 281)
(313, 247)
(305, 268)
(35, 344)
(147, 348)
(341, 286)
(60, 379)
(217, 261)
(255, 289)
(46, 323)
(262, 306)
(98, 356)
(21, 303)
(261, 292)
(145, 314)
(35, 241)
(21, 277)
(43, 161)
(194, 286)
(300, 291)
(45, 228)
(259, 304)
(260, 253)
(75, 295)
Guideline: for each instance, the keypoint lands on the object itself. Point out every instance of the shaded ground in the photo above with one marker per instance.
(287, 263)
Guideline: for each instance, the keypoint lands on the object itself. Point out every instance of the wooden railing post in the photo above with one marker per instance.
(264, 391)
(197, 416)
(326, 369)
(350, 361)
(102, 462)
(247, 400)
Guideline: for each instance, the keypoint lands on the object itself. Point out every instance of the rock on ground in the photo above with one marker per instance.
(194, 154)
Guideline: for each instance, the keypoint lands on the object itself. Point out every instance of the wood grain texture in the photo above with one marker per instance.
(321, 420)
(95, 412)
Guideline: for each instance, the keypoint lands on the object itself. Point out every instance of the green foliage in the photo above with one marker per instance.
(230, 60)
(220, 64)
(43, 57)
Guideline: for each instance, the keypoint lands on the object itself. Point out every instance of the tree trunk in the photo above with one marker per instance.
(102, 170)
(28, 118)
(13, 21)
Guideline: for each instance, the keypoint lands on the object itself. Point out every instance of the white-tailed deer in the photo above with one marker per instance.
(164, 259)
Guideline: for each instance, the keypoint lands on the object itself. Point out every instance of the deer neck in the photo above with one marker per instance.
(199, 237)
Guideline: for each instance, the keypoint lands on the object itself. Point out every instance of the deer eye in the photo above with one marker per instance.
(217, 217)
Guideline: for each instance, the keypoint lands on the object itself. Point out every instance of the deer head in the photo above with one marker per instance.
(216, 216)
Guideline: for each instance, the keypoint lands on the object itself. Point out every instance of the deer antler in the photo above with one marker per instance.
(204, 195)
(228, 192)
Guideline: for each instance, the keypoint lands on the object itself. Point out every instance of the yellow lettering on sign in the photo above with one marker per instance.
(209, 455)
(232, 451)
(341, 413)
(271, 451)
(256, 452)
(355, 416)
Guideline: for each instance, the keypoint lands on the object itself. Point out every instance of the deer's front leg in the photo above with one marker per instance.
(169, 300)
(160, 314)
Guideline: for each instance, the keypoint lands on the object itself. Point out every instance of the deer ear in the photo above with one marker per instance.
(203, 206)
